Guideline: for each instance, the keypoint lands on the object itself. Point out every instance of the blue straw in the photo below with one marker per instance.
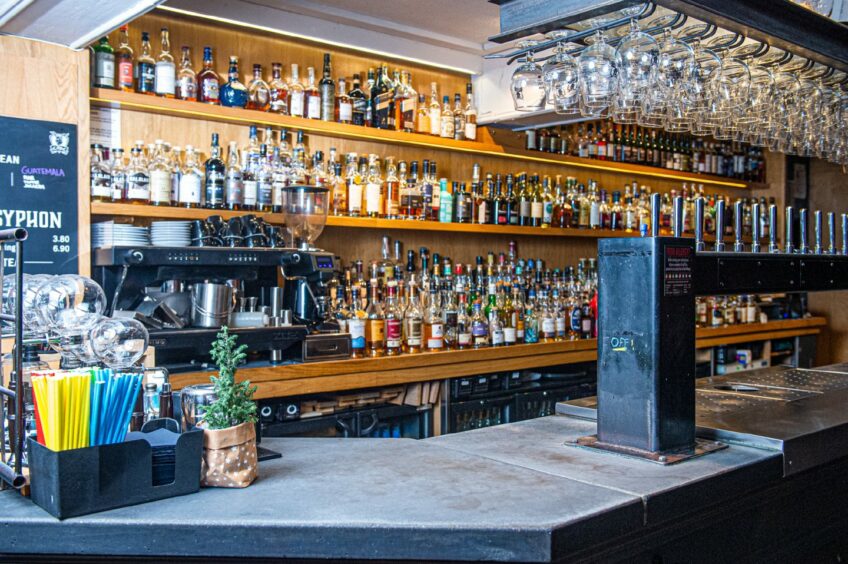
(97, 392)
(131, 392)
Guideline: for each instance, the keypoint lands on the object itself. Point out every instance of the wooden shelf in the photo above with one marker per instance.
(108, 209)
(104, 97)
(317, 377)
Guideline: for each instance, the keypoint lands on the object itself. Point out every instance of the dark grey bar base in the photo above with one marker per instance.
(508, 493)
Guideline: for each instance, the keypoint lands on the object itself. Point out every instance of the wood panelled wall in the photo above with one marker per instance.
(260, 47)
(50, 82)
(829, 193)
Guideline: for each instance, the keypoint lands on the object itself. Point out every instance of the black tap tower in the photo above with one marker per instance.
(646, 302)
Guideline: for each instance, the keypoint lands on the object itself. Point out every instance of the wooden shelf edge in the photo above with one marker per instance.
(297, 379)
(104, 97)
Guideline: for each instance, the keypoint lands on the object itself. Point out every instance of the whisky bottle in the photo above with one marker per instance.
(356, 323)
(375, 324)
(391, 208)
(233, 92)
(234, 181)
(145, 67)
(525, 201)
(258, 91)
(209, 85)
(374, 194)
(359, 102)
(435, 111)
(138, 178)
(470, 113)
(382, 101)
(446, 126)
(250, 176)
(413, 320)
(215, 176)
(165, 71)
(434, 327)
(118, 175)
(101, 178)
(354, 187)
(278, 91)
(312, 95)
(547, 203)
(537, 204)
(458, 118)
(297, 100)
(410, 194)
(394, 321)
(369, 109)
(339, 203)
(264, 182)
(160, 177)
(513, 212)
(479, 327)
(422, 123)
(446, 205)
(327, 90)
(187, 79)
(124, 56)
(191, 180)
(406, 100)
(463, 324)
(104, 64)
(343, 112)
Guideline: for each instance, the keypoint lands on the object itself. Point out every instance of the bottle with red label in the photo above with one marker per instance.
(208, 83)
(394, 321)
(124, 56)
(375, 324)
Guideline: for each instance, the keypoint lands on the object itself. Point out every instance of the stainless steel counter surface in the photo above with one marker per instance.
(668, 492)
(350, 498)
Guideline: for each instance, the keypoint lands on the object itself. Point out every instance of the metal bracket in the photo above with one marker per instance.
(665, 458)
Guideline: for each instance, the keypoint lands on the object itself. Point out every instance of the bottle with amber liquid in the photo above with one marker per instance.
(208, 83)
(394, 320)
(187, 78)
(343, 112)
(356, 322)
(434, 325)
(278, 91)
(413, 319)
(165, 72)
(124, 56)
(258, 91)
(375, 324)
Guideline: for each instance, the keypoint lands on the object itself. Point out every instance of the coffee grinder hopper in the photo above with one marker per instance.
(305, 214)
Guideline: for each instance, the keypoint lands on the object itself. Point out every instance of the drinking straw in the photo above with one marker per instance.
(97, 393)
(38, 400)
(53, 416)
(131, 392)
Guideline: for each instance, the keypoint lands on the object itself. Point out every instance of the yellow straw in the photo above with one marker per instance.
(85, 384)
(38, 390)
(53, 415)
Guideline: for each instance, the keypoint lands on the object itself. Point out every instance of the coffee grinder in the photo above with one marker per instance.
(308, 272)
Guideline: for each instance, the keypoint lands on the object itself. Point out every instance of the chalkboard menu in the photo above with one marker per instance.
(38, 191)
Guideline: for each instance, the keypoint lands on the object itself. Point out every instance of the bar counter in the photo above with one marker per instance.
(507, 493)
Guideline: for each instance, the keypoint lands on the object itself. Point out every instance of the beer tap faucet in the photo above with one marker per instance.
(773, 246)
(817, 230)
(719, 226)
(831, 233)
(789, 219)
(655, 214)
(738, 246)
(845, 234)
(677, 216)
(699, 225)
(755, 229)
(803, 248)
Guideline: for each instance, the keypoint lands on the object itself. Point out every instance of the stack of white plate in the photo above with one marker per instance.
(170, 233)
(111, 234)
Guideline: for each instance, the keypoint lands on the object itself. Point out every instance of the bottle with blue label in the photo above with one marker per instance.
(356, 324)
(531, 321)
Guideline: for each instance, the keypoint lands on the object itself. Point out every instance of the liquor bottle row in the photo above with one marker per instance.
(605, 140)
(252, 177)
(392, 308)
(717, 311)
(384, 101)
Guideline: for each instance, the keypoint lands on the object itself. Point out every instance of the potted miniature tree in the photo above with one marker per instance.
(229, 436)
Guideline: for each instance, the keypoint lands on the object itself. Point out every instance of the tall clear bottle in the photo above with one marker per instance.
(413, 319)
(446, 125)
(187, 78)
(297, 95)
(434, 325)
(394, 320)
(264, 182)
(374, 194)
(101, 178)
(118, 175)
(166, 71)
(278, 91)
(435, 111)
(470, 113)
(160, 177)
(258, 91)
(191, 180)
(234, 182)
(356, 323)
(312, 95)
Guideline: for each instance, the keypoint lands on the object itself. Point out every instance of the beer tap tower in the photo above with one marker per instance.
(646, 340)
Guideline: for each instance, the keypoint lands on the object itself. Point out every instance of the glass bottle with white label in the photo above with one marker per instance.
(296, 94)
(463, 324)
(191, 180)
(258, 91)
(138, 178)
(234, 181)
(374, 189)
(394, 320)
(435, 111)
(101, 179)
(312, 95)
(187, 78)
(375, 324)
(165, 79)
(344, 105)
(216, 173)
(356, 322)
(118, 175)
(176, 165)
(355, 187)
(413, 319)
(103, 73)
(264, 181)
(434, 325)
(160, 177)
(470, 112)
